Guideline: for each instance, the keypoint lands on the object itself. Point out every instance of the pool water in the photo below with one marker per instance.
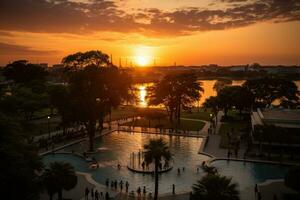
(247, 174)
(115, 148)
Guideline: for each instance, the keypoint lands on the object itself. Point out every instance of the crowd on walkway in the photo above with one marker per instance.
(95, 194)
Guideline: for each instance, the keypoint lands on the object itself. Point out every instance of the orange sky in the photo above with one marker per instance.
(187, 32)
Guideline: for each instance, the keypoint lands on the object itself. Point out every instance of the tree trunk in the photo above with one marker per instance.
(156, 181)
(171, 116)
(51, 196)
(109, 118)
(225, 112)
(60, 195)
(178, 114)
(91, 133)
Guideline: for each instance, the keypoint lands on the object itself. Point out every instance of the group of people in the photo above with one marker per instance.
(114, 185)
(95, 195)
(139, 192)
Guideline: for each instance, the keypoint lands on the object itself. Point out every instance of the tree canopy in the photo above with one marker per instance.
(229, 97)
(20, 162)
(214, 186)
(58, 177)
(175, 92)
(94, 91)
(22, 71)
(221, 83)
(268, 89)
(80, 60)
(292, 179)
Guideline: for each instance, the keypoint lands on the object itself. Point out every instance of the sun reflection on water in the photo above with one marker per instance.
(142, 96)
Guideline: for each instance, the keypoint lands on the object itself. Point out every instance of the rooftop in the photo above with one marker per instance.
(289, 118)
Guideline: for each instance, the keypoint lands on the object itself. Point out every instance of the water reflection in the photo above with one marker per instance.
(142, 96)
(206, 84)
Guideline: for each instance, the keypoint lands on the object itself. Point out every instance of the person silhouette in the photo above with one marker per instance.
(173, 189)
(86, 193)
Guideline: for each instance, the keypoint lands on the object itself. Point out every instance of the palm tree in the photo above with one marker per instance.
(215, 186)
(58, 177)
(155, 151)
(209, 169)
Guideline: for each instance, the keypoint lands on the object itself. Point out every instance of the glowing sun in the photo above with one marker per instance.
(142, 61)
(143, 55)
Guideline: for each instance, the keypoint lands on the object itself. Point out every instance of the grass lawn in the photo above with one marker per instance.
(198, 114)
(126, 111)
(165, 123)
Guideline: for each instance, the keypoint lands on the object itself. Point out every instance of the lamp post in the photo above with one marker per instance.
(48, 118)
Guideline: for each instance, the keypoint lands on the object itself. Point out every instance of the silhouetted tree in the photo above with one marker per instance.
(23, 101)
(292, 178)
(58, 177)
(175, 92)
(221, 83)
(230, 96)
(23, 72)
(80, 60)
(59, 98)
(215, 186)
(267, 90)
(94, 91)
(212, 103)
(155, 151)
(20, 162)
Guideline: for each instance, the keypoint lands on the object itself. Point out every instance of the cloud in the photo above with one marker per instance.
(90, 16)
(17, 50)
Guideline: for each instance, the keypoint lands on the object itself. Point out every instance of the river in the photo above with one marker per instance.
(206, 84)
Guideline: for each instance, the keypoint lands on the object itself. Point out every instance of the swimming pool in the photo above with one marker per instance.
(115, 148)
(247, 174)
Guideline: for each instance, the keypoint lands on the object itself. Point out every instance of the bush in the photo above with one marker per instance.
(292, 179)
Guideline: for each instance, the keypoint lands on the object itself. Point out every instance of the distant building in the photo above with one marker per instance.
(282, 70)
(57, 66)
(44, 65)
(276, 128)
(285, 118)
(238, 68)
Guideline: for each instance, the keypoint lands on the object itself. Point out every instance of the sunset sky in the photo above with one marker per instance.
(188, 32)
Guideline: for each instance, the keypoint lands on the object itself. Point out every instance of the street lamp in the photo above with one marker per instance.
(48, 118)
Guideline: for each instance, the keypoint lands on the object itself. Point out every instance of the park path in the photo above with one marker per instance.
(213, 145)
(204, 130)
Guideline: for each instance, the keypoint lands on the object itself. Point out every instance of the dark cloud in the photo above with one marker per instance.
(17, 50)
(64, 16)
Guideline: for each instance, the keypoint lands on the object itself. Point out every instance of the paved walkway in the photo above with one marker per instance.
(274, 187)
(213, 145)
(183, 196)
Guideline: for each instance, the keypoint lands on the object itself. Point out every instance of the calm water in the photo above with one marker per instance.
(248, 174)
(116, 148)
(206, 84)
